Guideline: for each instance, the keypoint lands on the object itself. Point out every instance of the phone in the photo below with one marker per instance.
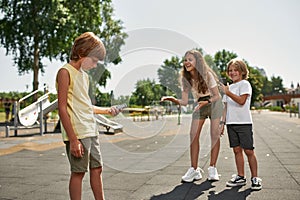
(121, 106)
(223, 81)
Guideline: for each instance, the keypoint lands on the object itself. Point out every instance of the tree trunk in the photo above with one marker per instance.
(36, 69)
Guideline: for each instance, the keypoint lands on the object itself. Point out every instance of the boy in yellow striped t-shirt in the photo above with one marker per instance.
(77, 114)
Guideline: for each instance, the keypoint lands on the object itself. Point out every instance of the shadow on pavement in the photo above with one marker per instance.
(232, 193)
(185, 191)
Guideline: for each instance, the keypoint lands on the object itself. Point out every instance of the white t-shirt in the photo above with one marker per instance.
(236, 113)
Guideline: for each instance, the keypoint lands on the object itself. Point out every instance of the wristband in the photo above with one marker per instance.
(222, 122)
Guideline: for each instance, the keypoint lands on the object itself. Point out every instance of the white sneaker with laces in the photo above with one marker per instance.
(236, 180)
(256, 183)
(213, 174)
(192, 174)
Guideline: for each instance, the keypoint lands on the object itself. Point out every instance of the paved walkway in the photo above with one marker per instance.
(147, 160)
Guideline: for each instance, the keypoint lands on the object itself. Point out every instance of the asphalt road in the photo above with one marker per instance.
(147, 160)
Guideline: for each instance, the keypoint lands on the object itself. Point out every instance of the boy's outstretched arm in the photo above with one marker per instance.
(113, 111)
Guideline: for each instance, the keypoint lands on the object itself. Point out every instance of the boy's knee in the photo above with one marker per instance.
(77, 175)
(249, 152)
(97, 169)
(237, 150)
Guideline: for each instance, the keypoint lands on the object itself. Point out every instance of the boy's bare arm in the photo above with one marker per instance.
(238, 99)
(113, 111)
(63, 84)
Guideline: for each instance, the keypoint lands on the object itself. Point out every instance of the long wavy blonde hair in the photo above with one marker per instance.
(202, 69)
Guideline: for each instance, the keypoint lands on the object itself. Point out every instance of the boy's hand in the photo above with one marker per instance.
(76, 148)
(225, 88)
(113, 111)
(222, 129)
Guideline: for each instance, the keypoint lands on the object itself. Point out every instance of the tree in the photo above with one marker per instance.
(277, 86)
(221, 58)
(267, 87)
(143, 92)
(256, 81)
(146, 93)
(36, 29)
(168, 75)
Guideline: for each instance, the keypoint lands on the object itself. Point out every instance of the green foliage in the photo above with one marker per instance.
(275, 108)
(13, 95)
(210, 61)
(221, 58)
(146, 92)
(168, 75)
(277, 85)
(267, 88)
(292, 108)
(103, 99)
(256, 81)
(36, 29)
(273, 86)
(120, 100)
(52, 97)
(16, 96)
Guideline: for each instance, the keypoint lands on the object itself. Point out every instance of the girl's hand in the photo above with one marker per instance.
(170, 98)
(200, 105)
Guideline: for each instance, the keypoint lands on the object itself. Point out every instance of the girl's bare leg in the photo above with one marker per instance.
(215, 141)
(195, 131)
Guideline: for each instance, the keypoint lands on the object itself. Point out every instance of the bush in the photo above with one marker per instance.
(292, 109)
(275, 108)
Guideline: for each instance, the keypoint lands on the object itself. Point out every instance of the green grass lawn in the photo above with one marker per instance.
(2, 116)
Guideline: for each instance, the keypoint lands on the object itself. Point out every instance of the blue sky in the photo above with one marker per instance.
(263, 32)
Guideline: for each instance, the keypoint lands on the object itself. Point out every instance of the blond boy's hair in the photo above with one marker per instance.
(240, 65)
(87, 45)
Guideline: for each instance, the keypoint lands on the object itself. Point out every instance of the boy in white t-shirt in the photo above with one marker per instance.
(237, 100)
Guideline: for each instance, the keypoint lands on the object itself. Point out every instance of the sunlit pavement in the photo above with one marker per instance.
(147, 160)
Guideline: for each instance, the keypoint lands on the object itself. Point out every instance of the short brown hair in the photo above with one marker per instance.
(87, 45)
(240, 66)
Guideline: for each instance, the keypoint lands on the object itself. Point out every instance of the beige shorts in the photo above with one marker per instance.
(212, 111)
(91, 158)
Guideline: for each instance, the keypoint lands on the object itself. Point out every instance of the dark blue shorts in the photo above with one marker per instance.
(240, 135)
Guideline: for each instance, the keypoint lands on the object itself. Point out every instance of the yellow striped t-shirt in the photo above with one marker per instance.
(79, 106)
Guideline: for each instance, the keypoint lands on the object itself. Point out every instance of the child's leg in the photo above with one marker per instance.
(252, 161)
(214, 153)
(196, 127)
(75, 185)
(96, 183)
(239, 160)
(215, 141)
